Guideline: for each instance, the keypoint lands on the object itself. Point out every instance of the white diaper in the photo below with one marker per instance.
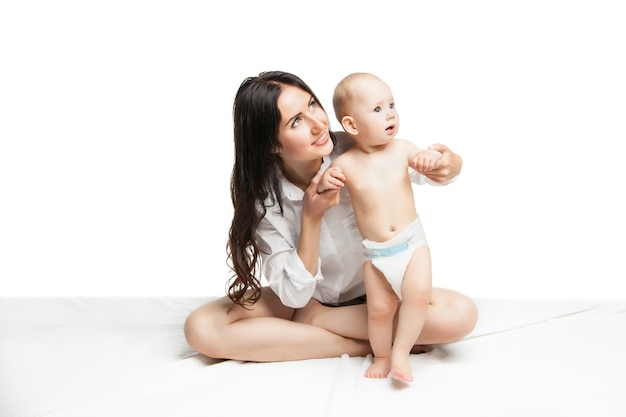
(393, 256)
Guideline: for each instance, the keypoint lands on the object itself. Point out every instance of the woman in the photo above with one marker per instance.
(308, 243)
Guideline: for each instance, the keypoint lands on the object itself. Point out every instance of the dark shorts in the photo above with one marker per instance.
(355, 301)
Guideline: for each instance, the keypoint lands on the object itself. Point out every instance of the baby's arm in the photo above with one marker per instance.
(424, 160)
(332, 179)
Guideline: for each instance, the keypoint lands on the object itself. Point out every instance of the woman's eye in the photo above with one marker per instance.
(296, 122)
(312, 105)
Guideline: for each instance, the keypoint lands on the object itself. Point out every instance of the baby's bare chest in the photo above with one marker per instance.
(378, 174)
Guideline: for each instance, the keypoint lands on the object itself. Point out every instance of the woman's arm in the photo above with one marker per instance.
(290, 244)
(314, 205)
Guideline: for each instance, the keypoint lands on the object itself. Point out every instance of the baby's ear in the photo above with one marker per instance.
(349, 125)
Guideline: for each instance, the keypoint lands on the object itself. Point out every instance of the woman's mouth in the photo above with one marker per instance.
(322, 140)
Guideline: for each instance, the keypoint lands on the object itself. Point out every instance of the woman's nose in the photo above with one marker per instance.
(317, 124)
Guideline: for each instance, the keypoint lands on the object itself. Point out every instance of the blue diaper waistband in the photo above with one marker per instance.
(390, 251)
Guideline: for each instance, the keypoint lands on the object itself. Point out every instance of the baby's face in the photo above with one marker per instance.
(374, 111)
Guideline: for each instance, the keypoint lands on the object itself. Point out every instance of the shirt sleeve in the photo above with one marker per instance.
(419, 179)
(281, 265)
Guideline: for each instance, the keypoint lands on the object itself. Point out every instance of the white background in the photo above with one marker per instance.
(116, 135)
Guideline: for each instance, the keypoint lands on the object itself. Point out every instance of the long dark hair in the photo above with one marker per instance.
(255, 179)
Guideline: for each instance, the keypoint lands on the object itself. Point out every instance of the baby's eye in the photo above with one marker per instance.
(378, 109)
(392, 106)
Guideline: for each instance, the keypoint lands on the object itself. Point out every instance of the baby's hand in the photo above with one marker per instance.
(425, 160)
(332, 179)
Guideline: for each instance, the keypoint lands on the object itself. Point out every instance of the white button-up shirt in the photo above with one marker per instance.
(339, 275)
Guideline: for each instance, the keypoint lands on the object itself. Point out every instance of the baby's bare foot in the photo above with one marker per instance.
(379, 369)
(401, 368)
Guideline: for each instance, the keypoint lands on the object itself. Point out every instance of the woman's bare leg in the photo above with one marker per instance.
(451, 316)
(263, 333)
(348, 321)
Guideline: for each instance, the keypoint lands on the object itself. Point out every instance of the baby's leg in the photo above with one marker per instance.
(416, 289)
(382, 303)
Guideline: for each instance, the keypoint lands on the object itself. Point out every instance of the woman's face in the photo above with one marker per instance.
(303, 132)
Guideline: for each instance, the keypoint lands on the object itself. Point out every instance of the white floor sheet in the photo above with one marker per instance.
(86, 357)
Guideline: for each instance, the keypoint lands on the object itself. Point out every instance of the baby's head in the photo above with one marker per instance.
(361, 99)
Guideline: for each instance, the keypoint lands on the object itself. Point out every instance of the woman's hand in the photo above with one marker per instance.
(447, 167)
(315, 204)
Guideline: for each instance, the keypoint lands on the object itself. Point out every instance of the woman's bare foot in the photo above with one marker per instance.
(379, 369)
(417, 349)
(401, 367)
